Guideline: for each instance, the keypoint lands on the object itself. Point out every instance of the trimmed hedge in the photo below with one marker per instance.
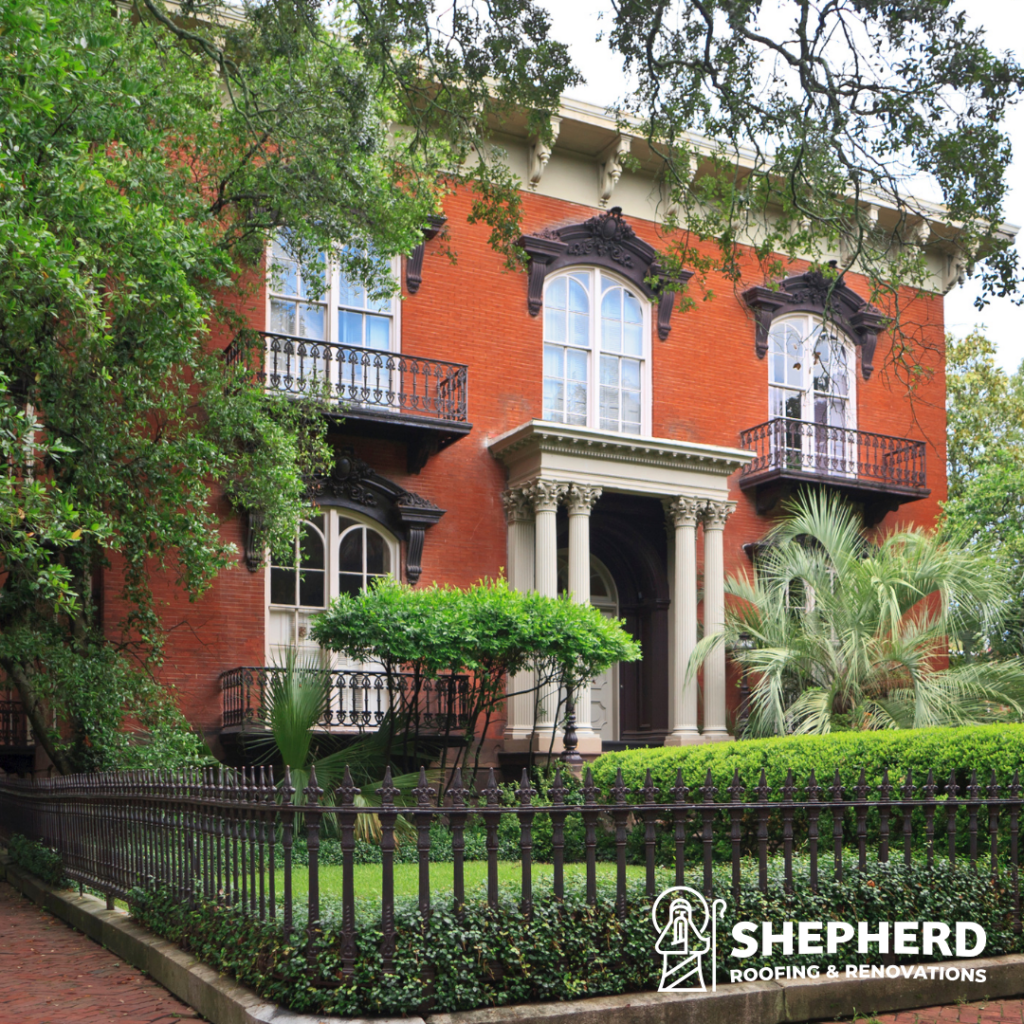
(962, 749)
(567, 951)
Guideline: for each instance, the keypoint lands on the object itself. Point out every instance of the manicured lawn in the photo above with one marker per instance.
(368, 878)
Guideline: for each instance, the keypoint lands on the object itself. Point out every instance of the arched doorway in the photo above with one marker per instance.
(604, 690)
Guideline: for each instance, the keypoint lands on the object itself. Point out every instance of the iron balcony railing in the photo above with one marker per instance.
(796, 447)
(361, 379)
(357, 699)
(13, 724)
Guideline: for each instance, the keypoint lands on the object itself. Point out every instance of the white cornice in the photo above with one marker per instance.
(556, 438)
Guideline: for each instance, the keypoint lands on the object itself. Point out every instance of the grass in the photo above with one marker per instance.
(367, 878)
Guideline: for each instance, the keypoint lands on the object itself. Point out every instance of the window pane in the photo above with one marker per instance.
(577, 365)
(631, 374)
(350, 552)
(611, 304)
(350, 293)
(794, 406)
(376, 560)
(609, 408)
(350, 583)
(632, 313)
(579, 326)
(554, 295)
(577, 412)
(611, 335)
(284, 277)
(631, 410)
(311, 321)
(315, 287)
(282, 586)
(609, 370)
(311, 548)
(282, 317)
(311, 588)
(378, 332)
(350, 328)
(553, 361)
(579, 301)
(633, 339)
(554, 397)
(554, 323)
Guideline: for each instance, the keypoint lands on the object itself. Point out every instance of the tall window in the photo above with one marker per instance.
(334, 553)
(596, 368)
(333, 308)
(811, 392)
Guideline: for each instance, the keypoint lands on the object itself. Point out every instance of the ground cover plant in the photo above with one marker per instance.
(566, 950)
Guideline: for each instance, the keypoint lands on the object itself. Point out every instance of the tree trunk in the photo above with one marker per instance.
(35, 711)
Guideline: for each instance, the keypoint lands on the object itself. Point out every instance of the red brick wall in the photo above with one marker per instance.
(708, 385)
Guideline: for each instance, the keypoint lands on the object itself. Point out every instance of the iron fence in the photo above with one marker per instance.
(817, 449)
(361, 378)
(356, 699)
(13, 724)
(223, 836)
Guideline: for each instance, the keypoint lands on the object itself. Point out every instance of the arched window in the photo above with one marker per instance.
(811, 392)
(335, 553)
(596, 358)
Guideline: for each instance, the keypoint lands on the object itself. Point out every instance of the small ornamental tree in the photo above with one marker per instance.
(487, 630)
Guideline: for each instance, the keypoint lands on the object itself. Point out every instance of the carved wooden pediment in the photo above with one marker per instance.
(606, 241)
(354, 484)
(831, 298)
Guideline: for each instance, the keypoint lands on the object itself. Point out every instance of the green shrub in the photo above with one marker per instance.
(963, 750)
(567, 951)
(39, 860)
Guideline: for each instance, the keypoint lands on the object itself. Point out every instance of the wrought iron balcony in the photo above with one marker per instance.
(878, 470)
(383, 394)
(358, 700)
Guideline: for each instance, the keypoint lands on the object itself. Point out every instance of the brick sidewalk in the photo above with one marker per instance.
(51, 974)
(1006, 1011)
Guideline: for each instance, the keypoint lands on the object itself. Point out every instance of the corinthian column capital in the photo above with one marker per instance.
(581, 499)
(716, 513)
(517, 504)
(546, 495)
(683, 511)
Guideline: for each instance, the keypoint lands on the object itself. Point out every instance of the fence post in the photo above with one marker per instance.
(347, 792)
(813, 813)
(737, 791)
(424, 794)
(526, 816)
(557, 794)
(680, 794)
(650, 794)
(313, 814)
(590, 816)
(492, 818)
(707, 793)
(388, 817)
(287, 825)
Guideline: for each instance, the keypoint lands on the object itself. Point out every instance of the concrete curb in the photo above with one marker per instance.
(224, 1001)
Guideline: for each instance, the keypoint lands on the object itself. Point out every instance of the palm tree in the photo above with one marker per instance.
(837, 631)
(297, 698)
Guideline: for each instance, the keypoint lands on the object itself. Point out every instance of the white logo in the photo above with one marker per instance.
(689, 933)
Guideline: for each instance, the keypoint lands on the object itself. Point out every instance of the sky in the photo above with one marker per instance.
(577, 23)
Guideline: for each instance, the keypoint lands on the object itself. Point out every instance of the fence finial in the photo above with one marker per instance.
(347, 791)
(313, 792)
(708, 790)
(388, 791)
(649, 790)
(558, 791)
(287, 789)
(680, 791)
(525, 792)
(458, 792)
(492, 793)
(736, 789)
(424, 792)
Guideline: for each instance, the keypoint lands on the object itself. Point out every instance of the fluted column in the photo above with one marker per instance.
(579, 502)
(546, 495)
(683, 513)
(521, 541)
(715, 515)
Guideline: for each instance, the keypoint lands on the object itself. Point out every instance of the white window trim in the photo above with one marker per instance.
(332, 588)
(594, 351)
(807, 388)
(329, 298)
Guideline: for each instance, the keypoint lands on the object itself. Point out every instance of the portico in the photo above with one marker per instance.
(551, 465)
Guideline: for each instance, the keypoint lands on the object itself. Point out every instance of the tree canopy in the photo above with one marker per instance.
(985, 457)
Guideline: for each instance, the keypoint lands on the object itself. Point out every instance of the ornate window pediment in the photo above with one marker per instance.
(604, 241)
(354, 484)
(833, 300)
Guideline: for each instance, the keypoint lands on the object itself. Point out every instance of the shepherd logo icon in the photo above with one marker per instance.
(687, 932)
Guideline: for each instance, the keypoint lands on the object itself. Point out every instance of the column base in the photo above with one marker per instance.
(515, 743)
(718, 736)
(693, 739)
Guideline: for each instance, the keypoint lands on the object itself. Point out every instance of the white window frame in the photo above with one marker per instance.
(836, 454)
(598, 275)
(332, 536)
(330, 299)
